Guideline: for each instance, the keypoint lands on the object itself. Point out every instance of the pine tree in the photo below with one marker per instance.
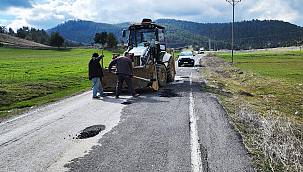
(56, 40)
(111, 40)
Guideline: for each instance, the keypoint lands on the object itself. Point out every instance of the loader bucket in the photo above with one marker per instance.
(148, 72)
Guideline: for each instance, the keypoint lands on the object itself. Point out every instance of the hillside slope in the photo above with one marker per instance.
(84, 31)
(11, 41)
(248, 34)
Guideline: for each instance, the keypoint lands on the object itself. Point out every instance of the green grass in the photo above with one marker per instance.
(35, 77)
(275, 74)
(287, 66)
(176, 54)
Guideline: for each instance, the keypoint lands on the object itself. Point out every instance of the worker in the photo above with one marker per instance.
(95, 74)
(124, 72)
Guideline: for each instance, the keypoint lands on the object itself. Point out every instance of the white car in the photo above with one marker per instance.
(186, 58)
(201, 51)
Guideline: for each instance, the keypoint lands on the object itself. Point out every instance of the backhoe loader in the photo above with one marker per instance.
(153, 66)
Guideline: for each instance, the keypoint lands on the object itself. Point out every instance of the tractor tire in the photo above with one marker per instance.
(171, 71)
(162, 76)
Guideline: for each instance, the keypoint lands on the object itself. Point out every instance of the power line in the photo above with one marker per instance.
(233, 3)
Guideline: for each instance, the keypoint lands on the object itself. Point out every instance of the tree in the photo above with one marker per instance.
(2, 29)
(43, 37)
(32, 34)
(111, 40)
(56, 40)
(101, 38)
(11, 32)
(97, 38)
(23, 32)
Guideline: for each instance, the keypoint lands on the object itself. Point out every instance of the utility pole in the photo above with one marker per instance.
(233, 3)
(209, 44)
(301, 44)
(215, 47)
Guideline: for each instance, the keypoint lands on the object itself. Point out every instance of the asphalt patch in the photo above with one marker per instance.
(168, 93)
(91, 131)
(126, 103)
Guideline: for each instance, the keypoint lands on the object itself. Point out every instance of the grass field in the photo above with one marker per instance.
(286, 66)
(282, 75)
(35, 77)
(262, 93)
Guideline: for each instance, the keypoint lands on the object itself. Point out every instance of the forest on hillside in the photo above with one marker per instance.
(248, 34)
(252, 34)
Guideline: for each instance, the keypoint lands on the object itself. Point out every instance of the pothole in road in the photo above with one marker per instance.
(126, 103)
(91, 131)
(168, 93)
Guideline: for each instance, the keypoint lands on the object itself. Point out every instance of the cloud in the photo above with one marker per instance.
(4, 4)
(271, 9)
(48, 13)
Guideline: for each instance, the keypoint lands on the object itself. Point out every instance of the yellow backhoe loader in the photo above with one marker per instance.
(153, 66)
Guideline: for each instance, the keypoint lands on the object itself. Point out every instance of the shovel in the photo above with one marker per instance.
(155, 84)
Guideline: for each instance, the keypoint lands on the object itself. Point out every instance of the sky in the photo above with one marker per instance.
(46, 14)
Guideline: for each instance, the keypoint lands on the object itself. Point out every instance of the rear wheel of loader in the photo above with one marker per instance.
(171, 71)
(162, 76)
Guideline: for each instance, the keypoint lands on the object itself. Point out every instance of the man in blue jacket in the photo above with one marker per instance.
(95, 74)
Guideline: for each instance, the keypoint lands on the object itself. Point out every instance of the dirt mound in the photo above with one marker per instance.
(15, 42)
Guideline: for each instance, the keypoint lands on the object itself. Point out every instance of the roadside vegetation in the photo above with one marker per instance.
(176, 54)
(35, 77)
(263, 96)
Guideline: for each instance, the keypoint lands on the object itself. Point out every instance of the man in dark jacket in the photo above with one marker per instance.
(124, 72)
(95, 74)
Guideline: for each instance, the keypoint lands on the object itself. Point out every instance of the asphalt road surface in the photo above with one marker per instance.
(180, 128)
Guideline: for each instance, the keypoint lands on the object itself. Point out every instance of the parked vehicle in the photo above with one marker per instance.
(201, 51)
(186, 58)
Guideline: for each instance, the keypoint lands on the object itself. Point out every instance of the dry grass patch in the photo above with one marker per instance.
(267, 111)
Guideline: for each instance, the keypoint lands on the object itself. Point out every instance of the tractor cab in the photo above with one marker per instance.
(146, 41)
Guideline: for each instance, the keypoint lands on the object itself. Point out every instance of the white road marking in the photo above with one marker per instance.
(196, 161)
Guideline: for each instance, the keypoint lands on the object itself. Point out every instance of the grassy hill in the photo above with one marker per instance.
(11, 41)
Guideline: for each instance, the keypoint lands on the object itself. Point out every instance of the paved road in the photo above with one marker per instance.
(181, 128)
